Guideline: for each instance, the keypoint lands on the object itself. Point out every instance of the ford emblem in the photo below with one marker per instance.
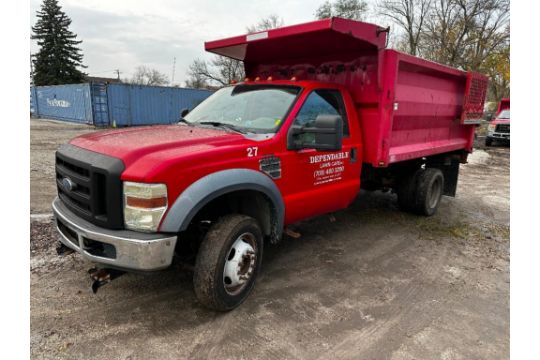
(68, 184)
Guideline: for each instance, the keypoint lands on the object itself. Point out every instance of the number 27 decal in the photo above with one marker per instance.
(252, 151)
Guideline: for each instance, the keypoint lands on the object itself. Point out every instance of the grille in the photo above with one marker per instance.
(503, 128)
(79, 196)
(89, 185)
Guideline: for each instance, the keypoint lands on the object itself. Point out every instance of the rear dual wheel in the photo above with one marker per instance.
(420, 192)
(228, 262)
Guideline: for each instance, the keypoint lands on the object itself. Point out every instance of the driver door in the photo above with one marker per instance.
(320, 181)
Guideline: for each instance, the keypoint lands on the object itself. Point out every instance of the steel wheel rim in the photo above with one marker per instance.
(436, 190)
(240, 264)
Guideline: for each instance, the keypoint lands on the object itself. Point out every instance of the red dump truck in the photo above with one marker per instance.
(499, 127)
(325, 110)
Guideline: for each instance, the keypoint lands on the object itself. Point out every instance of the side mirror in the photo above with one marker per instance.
(327, 134)
(184, 112)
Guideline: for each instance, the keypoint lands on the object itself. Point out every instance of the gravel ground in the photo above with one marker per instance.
(45, 137)
(369, 282)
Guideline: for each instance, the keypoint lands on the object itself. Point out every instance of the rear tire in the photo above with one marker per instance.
(420, 192)
(429, 189)
(228, 262)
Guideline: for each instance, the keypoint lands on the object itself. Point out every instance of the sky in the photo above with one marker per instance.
(123, 34)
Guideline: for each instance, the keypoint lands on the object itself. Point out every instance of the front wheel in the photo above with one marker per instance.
(228, 262)
(489, 141)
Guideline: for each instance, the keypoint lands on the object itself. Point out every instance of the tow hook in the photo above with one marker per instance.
(101, 277)
(62, 249)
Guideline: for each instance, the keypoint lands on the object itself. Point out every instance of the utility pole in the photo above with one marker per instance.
(173, 69)
(117, 73)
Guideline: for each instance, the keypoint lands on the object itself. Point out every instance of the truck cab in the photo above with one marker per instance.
(499, 127)
(299, 137)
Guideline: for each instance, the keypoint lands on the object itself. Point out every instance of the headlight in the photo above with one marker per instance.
(492, 127)
(144, 205)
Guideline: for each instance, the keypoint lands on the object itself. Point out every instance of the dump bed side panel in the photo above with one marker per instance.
(427, 109)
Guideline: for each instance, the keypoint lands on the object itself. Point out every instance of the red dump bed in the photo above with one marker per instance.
(408, 107)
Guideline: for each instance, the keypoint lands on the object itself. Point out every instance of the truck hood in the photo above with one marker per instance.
(129, 144)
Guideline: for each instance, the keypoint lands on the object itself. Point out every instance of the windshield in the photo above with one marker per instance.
(248, 108)
(505, 114)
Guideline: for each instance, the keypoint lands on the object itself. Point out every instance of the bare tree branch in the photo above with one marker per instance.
(144, 75)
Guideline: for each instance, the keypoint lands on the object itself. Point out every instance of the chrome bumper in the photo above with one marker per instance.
(124, 249)
(496, 135)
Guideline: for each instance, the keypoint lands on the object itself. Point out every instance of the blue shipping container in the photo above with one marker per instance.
(33, 110)
(113, 104)
(64, 102)
(133, 105)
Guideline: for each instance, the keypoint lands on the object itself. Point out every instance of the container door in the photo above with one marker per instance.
(100, 104)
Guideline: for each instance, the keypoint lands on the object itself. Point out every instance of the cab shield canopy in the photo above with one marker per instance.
(309, 40)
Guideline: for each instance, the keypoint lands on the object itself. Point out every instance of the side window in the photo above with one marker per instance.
(322, 101)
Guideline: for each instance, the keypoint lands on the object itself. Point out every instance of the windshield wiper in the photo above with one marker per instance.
(223, 125)
(182, 120)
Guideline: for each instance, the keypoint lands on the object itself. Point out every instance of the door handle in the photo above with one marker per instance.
(353, 154)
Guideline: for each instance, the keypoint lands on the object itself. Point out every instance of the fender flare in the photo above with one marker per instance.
(211, 186)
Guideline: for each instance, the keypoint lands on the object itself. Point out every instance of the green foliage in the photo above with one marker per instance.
(59, 57)
(348, 9)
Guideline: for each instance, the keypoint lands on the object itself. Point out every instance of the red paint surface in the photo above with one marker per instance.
(399, 107)
(503, 105)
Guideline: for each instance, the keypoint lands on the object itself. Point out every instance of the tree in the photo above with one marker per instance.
(271, 22)
(467, 34)
(410, 16)
(144, 75)
(348, 9)
(221, 70)
(59, 58)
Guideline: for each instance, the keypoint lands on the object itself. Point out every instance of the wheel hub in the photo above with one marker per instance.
(239, 264)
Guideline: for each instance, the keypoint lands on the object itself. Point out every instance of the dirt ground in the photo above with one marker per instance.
(370, 282)
(45, 137)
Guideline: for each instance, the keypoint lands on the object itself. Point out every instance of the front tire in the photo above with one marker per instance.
(228, 262)
(489, 141)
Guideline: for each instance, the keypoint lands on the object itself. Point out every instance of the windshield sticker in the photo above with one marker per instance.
(330, 167)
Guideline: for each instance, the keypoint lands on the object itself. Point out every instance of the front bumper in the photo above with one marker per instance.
(124, 249)
(502, 136)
